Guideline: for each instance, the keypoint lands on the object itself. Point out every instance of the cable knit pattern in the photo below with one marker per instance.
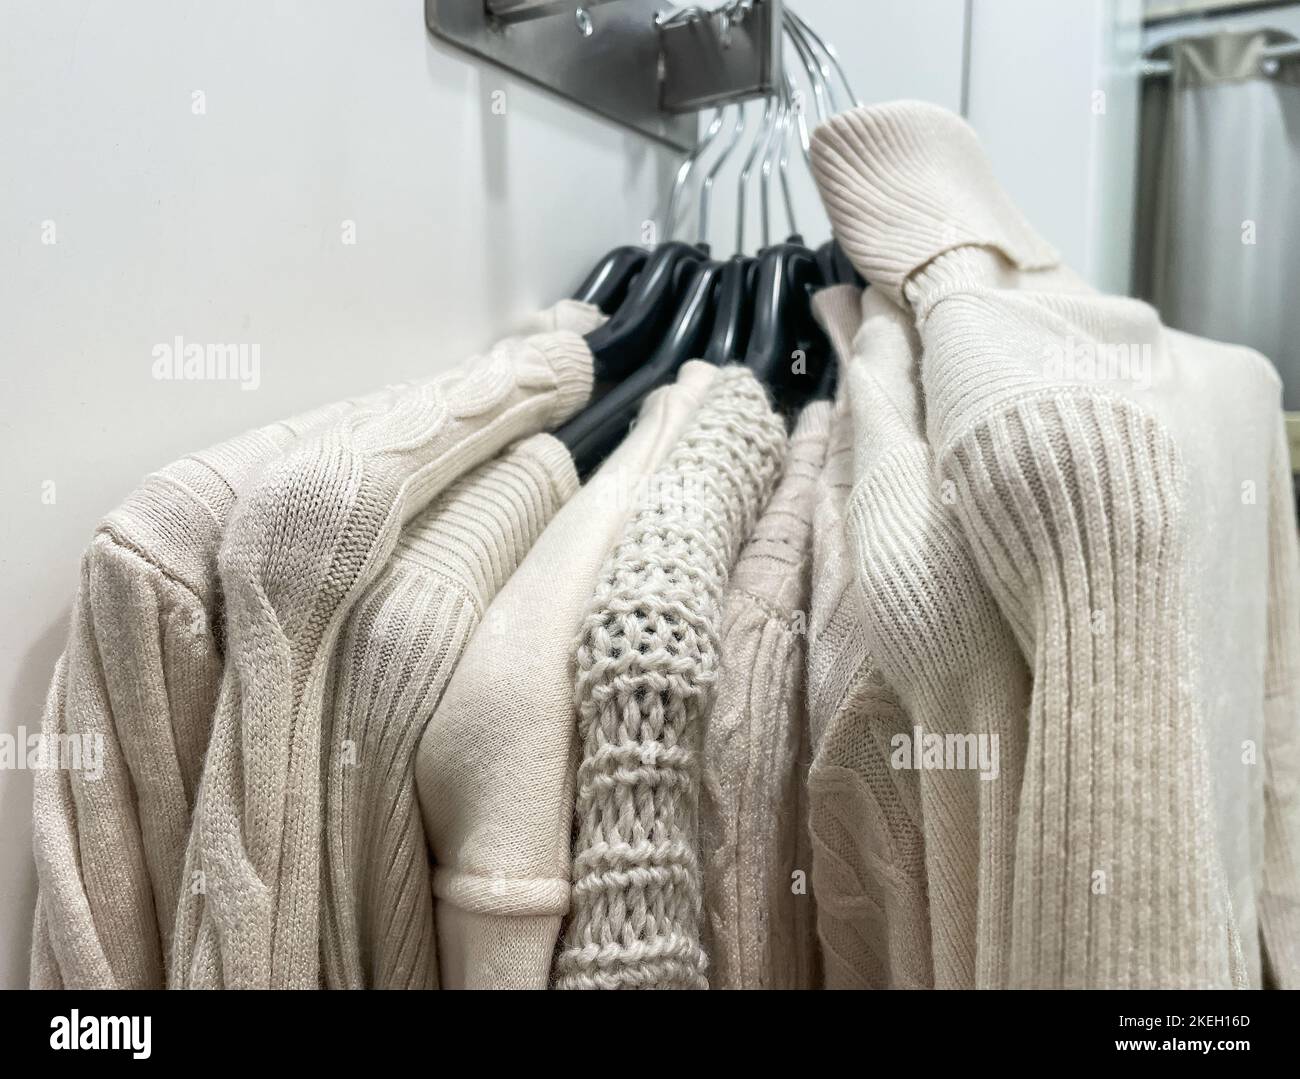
(760, 933)
(873, 914)
(403, 639)
(141, 670)
(302, 547)
(1108, 511)
(943, 644)
(496, 763)
(647, 665)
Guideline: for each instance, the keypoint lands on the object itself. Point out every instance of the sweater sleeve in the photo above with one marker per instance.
(1279, 899)
(138, 677)
(1073, 504)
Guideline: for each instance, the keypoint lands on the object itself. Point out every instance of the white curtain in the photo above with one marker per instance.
(1218, 231)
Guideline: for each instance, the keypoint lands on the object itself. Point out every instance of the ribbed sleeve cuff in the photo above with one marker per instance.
(555, 461)
(567, 355)
(907, 181)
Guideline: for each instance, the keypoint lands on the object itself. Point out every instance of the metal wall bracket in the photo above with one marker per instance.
(613, 57)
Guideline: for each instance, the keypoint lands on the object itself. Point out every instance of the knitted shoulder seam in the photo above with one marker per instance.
(106, 534)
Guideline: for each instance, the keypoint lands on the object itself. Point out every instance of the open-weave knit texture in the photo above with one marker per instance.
(403, 639)
(647, 668)
(142, 669)
(864, 817)
(495, 766)
(303, 546)
(760, 925)
(944, 646)
(1102, 469)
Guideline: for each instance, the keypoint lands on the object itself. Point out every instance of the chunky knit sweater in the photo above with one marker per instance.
(647, 667)
(760, 921)
(495, 766)
(943, 645)
(1113, 479)
(403, 639)
(864, 817)
(303, 546)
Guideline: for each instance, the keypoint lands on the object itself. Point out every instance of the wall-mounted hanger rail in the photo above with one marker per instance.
(642, 63)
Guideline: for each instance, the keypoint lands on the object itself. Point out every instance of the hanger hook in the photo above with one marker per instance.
(813, 72)
(742, 186)
(706, 189)
(788, 90)
(771, 151)
(684, 171)
(829, 51)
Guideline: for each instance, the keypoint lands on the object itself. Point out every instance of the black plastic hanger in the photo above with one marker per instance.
(594, 432)
(730, 332)
(787, 275)
(621, 344)
(607, 284)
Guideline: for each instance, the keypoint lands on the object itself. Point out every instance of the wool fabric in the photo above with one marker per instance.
(402, 642)
(302, 547)
(141, 670)
(941, 642)
(1101, 468)
(760, 925)
(495, 765)
(647, 667)
(864, 817)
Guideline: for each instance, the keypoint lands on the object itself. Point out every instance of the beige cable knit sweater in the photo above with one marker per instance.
(303, 545)
(760, 924)
(1114, 480)
(403, 640)
(141, 671)
(864, 817)
(647, 662)
(943, 645)
(495, 765)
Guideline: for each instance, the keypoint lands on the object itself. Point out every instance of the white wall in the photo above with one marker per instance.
(226, 227)
(1053, 92)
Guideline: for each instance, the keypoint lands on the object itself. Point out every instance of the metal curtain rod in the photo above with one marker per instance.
(1276, 53)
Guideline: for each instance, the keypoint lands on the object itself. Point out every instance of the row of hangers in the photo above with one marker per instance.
(676, 302)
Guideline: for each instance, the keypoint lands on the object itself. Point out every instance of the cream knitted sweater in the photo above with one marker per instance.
(495, 765)
(1104, 471)
(141, 671)
(303, 546)
(647, 662)
(943, 645)
(109, 854)
(760, 920)
(403, 639)
(864, 817)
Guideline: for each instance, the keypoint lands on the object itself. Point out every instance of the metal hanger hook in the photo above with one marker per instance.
(684, 171)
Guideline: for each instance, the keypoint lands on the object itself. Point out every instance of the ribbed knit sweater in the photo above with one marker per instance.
(402, 642)
(304, 544)
(1103, 470)
(864, 817)
(760, 918)
(943, 645)
(647, 668)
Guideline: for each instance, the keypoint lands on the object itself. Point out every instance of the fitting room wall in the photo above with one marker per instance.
(228, 225)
